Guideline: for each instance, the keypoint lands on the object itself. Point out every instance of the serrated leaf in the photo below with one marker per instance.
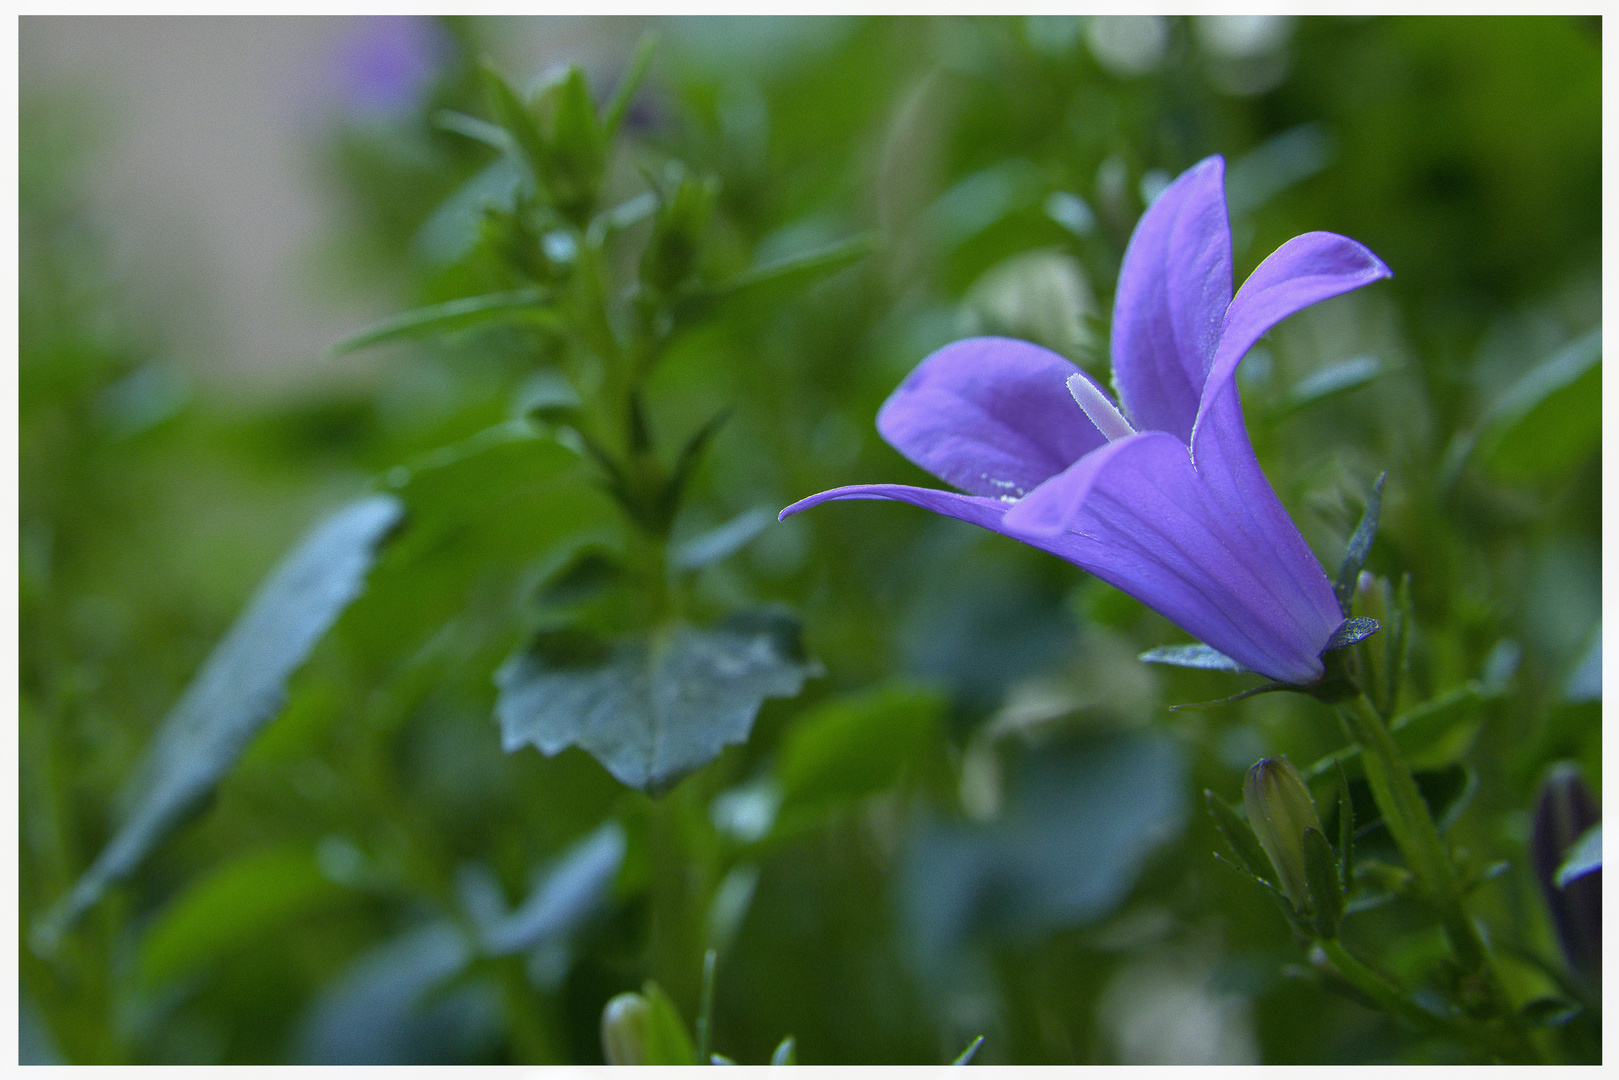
(519, 305)
(1585, 857)
(650, 710)
(1352, 631)
(235, 904)
(239, 689)
(1192, 656)
(1326, 890)
(1359, 546)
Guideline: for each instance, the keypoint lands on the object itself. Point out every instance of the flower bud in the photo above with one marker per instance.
(1279, 811)
(626, 1026)
(678, 229)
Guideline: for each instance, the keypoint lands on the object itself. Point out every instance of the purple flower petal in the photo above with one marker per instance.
(992, 416)
(1174, 287)
(1306, 270)
(976, 509)
(1178, 513)
(1197, 545)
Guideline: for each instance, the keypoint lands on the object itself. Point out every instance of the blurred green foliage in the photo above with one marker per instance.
(976, 822)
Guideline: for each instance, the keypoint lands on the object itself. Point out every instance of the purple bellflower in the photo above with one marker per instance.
(1163, 498)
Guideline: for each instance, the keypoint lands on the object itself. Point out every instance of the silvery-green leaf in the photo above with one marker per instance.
(453, 228)
(569, 892)
(239, 689)
(1585, 857)
(723, 541)
(967, 1055)
(1192, 656)
(385, 1007)
(1329, 382)
(1360, 544)
(1078, 823)
(650, 710)
(1551, 416)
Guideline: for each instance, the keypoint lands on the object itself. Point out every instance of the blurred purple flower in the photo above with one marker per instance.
(1564, 810)
(386, 61)
(1166, 499)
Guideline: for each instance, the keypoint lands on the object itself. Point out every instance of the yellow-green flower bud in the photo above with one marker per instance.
(1280, 810)
(626, 1027)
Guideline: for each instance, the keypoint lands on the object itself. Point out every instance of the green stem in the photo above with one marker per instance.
(1404, 810)
(1385, 994)
(1413, 828)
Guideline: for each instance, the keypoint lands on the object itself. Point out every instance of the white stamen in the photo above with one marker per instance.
(1108, 420)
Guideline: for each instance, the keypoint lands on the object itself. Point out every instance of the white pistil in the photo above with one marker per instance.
(1108, 420)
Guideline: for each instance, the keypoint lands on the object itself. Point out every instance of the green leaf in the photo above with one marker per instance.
(624, 96)
(1192, 656)
(515, 117)
(779, 280)
(454, 227)
(667, 1042)
(1446, 792)
(1432, 735)
(786, 1052)
(237, 904)
(492, 135)
(851, 746)
(379, 1008)
(1327, 383)
(1549, 1012)
(967, 1055)
(1326, 890)
(1585, 857)
(653, 709)
(1239, 835)
(574, 887)
(1550, 418)
(578, 148)
(721, 542)
(1439, 731)
(1360, 544)
(239, 689)
(518, 305)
